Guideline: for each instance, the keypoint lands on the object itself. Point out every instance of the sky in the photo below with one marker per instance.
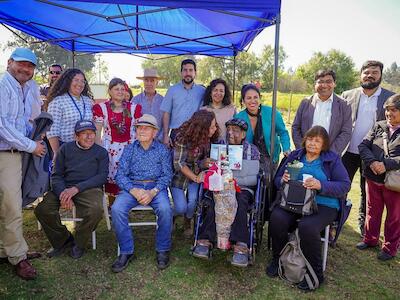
(363, 29)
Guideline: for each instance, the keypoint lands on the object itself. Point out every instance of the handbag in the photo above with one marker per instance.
(392, 178)
(294, 197)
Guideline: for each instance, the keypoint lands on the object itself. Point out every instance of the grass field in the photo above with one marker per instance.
(350, 274)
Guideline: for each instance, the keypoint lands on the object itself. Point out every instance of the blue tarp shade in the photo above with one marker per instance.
(213, 27)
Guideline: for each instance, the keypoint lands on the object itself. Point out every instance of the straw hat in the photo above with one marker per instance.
(147, 120)
(150, 73)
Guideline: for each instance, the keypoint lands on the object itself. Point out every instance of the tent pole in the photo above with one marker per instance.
(274, 96)
(234, 75)
(73, 54)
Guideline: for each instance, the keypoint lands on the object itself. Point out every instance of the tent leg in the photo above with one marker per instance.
(275, 90)
(234, 77)
(73, 54)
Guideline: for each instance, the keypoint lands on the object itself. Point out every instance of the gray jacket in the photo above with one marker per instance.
(35, 169)
(353, 98)
(340, 127)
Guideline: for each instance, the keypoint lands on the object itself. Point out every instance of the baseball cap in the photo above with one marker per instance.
(147, 120)
(82, 125)
(24, 54)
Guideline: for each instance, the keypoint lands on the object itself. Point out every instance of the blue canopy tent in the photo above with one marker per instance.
(189, 27)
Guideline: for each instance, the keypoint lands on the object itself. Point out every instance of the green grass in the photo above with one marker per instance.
(351, 274)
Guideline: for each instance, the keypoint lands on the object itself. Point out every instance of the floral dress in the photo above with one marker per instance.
(118, 131)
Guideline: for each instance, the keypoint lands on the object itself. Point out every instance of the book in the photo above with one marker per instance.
(234, 155)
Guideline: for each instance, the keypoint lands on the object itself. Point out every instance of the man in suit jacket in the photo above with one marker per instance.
(366, 104)
(326, 109)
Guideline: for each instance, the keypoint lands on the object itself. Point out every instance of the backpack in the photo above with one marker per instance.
(293, 266)
(294, 197)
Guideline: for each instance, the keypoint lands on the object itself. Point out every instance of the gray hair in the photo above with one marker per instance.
(393, 101)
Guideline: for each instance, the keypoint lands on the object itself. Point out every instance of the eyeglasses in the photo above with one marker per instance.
(324, 81)
(55, 72)
(79, 81)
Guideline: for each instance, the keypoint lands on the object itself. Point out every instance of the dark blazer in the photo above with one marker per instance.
(340, 127)
(353, 98)
(371, 149)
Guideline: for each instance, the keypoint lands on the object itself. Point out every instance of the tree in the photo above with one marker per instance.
(267, 66)
(392, 75)
(343, 65)
(169, 68)
(48, 54)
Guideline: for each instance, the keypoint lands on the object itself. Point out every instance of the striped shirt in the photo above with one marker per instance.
(13, 121)
(65, 115)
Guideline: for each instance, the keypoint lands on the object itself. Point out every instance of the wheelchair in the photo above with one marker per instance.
(255, 217)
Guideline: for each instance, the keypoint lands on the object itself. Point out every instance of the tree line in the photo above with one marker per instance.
(250, 67)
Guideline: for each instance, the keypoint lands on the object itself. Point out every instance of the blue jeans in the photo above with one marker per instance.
(185, 204)
(120, 219)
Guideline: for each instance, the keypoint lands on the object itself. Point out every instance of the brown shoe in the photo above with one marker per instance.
(25, 270)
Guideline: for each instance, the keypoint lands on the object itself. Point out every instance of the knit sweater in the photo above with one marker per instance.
(84, 169)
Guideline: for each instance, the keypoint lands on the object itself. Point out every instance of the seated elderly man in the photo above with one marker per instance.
(246, 178)
(143, 175)
(79, 173)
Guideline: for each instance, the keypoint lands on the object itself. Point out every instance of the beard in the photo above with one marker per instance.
(188, 80)
(370, 85)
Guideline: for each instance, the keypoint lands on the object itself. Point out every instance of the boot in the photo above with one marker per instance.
(187, 228)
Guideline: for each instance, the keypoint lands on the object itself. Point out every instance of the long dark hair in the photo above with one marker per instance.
(194, 132)
(63, 83)
(207, 99)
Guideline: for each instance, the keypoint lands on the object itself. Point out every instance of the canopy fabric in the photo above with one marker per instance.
(210, 27)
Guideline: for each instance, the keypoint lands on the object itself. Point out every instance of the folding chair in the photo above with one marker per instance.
(74, 219)
(144, 223)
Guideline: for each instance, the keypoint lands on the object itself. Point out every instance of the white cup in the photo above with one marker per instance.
(306, 176)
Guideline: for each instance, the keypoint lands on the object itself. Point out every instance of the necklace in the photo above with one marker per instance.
(120, 126)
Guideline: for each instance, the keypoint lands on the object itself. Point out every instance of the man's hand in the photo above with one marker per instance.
(66, 197)
(40, 149)
(147, 196)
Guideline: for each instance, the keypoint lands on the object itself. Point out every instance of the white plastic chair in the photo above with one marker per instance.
(74, 219)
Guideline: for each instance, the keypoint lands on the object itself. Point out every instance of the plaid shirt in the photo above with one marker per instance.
(192, 158)
(65, 115)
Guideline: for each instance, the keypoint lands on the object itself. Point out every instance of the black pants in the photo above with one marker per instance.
(310, 227)
(239, 229)
(352, 163)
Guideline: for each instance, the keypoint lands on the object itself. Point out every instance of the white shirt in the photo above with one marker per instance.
(366, 118)
(13, 121)
(323, 112)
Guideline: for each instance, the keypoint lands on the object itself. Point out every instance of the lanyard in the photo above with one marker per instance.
(84, 106)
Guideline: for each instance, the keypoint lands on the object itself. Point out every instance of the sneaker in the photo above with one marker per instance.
(121, 262)
(54, 252)
(363, 246)
(384, 256)
(201, 251)
(240, 256)
(272, 268)
(77, 252)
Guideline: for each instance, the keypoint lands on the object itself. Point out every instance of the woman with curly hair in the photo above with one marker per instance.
(69, 100)
(116, 119)
(217, 98)
(191, 152)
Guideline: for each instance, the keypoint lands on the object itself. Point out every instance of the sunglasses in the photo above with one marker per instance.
(55, 72)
